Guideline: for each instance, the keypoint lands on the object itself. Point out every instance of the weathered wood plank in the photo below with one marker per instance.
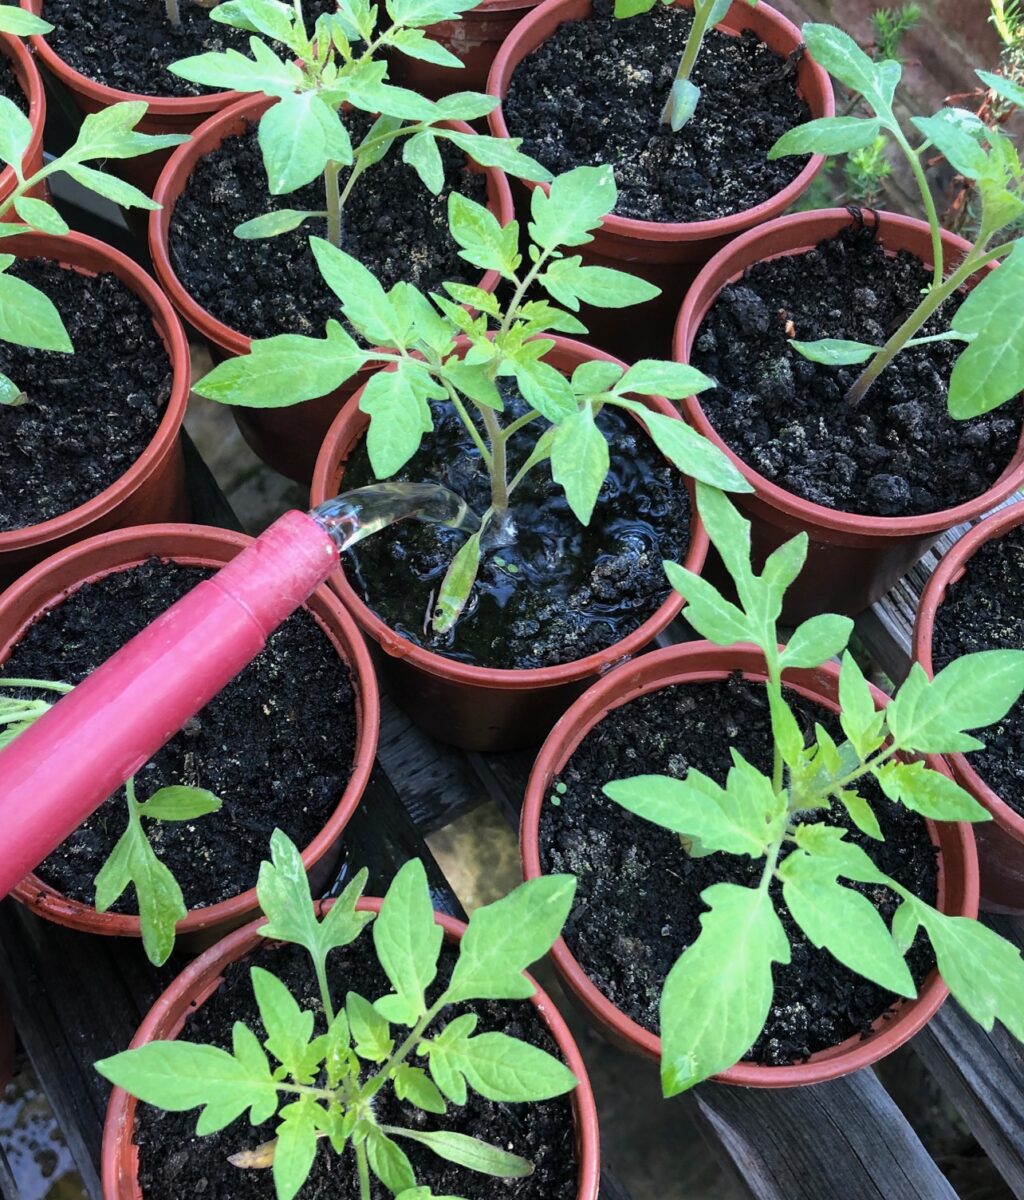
(8, 1187)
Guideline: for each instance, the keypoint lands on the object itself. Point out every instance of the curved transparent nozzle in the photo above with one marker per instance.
(355, 515)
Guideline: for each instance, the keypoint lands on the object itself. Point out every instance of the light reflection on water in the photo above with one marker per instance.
(33, 1144)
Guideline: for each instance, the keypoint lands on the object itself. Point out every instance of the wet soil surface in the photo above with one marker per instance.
(276, 745)
(562, 591)
(898, 453)
(985, 611)
(638, 903)
(594, 92)
(89, 415)
(10, 88)
(267, 286)
(174, 1163)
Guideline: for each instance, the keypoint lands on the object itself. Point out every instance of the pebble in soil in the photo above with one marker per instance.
(563, 590)
(899, 452)
(129, 44)
(173, 1162)
(638, 904)
(716, 165)
(10, 88)
(88, 415)
(984, 610)
(267, 286)
(276, 745)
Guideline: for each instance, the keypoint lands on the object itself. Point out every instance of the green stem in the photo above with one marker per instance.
(521, 290)
(43, 684)
(325, 990)
(774, 671)
(701, 16)
(469, 423)
(364, 1171)
(406, 1048)
(499, 459)
(29, 712)
(935, 225)
(334, 202)
(521, 423)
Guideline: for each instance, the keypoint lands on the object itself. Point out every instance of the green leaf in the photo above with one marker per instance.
(422, 154)
(861, 814)
(574, 207)
(272, 224)
(412, 1084)
(688, 451)
(483, 242)
(296, 1146)
(22, 23)
(470, 1152)
(632, 8)
(397, 404)
(652, 377)
(505, 937)
(443, 1052)
(269, 17)
(11, 395)
(28, 318)
(844, 922)
(826, 135)
(370, 1029)
(116, 873)
(179, 804)
(835, 352)
(363, 300)
(580, 462)
(858, 715)
(544, 388)
(840, 55)
(502, 153)
(929, 793)
(292, 142)
(388, 1161)
(603, 287)
(416, 44)
(593, 377)
(457, 584)
(408, 942)
(466, 106)
(1002, 86)
(426, 12)
(289, 1028)
(682, 103)
(949, 134)
(708, 611)
(15, 134)
(817, 640)
(232, 71)
(161, 904)
(717, 997)
(110, 187)
(111, 133)
(991, 370)
(40, 215)
(506, 1070)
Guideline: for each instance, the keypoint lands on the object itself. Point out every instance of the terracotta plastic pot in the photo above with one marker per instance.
(853, 559)
(200, 979)
(699, 662)
(1001, 840)
(52, 581)
(166, 114)
(13, 49)
(286, 439)
(153, 487)
(668, 254)
(475, 39)
(484, 708)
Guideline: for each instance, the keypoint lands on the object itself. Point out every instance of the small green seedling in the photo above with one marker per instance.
(416, 335)
(684, 95)
(132, 860)
(326, 1086)
(990, 371)
(718, 995)
(890, 26)
(27, 316)
(303, 136)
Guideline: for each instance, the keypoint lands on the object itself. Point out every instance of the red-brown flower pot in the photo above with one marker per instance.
(166, 114)
(699, 662)
(485, 708)
(286, 439)
(153, 488)
(53, 581)
(25, 72)
(200, 979)
(1001, 840)
(667, 254)
(853, 559)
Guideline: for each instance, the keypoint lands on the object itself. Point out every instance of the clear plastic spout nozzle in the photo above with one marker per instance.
(357, 514)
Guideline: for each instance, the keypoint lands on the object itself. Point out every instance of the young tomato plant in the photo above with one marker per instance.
(27, 316)
(325, 1086)
(684, 95)
(718, 995)
(990, 320)
(132, 860)
(416, 336)
(303, 136)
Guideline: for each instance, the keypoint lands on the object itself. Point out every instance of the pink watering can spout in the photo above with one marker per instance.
(63, 766)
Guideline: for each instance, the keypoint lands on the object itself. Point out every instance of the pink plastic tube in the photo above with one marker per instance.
(71, 759)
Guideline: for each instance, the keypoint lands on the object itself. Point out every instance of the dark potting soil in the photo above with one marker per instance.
(267, 286)
(129, 44)
(594, 91)
(563, 590)
(276, 745)
(984, 610)
(899, 453)
(89, 415)
(174, 1162)
(638, 903)
(10, 88)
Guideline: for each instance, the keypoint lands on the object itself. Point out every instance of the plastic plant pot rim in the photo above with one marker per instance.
(68, 252)
(103, 96)
(952, 567)
(126, 548)
(349, 427)
(175, 176)
(819, 225)
(511, 54)
(676, 665)
(197, 982)
(31, 84)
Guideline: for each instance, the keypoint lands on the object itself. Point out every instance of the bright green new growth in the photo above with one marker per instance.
(27, 316)
(718, 995)
(990, 370)
(132, 860)
(303, 136)
(684, 96)
(417, 335)
(330, 1082)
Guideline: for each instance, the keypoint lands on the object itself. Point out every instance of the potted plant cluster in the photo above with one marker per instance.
(747, 862)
